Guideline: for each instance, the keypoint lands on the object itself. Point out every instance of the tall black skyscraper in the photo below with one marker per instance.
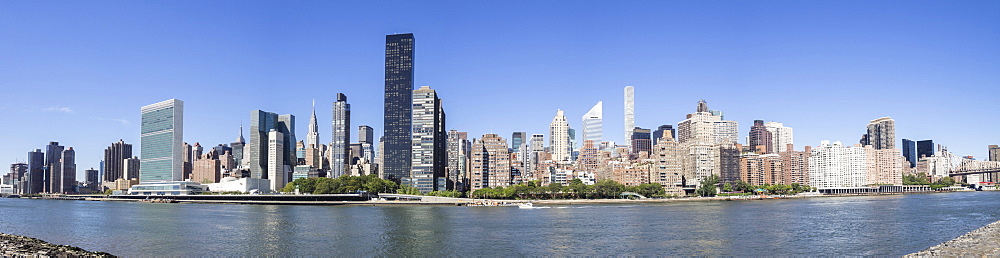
(36, 173)
(398, 109)
(910, 151)
(925, 148)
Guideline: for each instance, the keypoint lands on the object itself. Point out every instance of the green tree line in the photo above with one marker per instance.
(923, 179)
(343, 184)
(575, 190)
(708, 187)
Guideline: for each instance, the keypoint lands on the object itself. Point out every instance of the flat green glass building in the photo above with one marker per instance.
(162, 134)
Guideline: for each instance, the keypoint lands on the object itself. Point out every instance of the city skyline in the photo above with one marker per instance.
(821, 111)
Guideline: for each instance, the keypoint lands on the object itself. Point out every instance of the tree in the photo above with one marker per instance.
(608, 188)
(707, 188)
(727, 188)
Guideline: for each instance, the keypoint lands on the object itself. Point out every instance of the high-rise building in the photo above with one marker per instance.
(781, 136)
(516, 139)
(131, 168)
(366, 134)
(760, 138)
(837, 166)
(93, 179)
(669, 167)
(312, 137)
(795, 166)
(286, 125)
(238, 149)
(160, 142)
(277, 171)
(760, 169)
(885, 166)
(261, 125)
(490, 163)
(910, 152)
(398, 112)
(704, 127)
(994, 153)
(925, 148)
(207, 169)
(559, 138)
(629, 112)
(592, 124)
(881, 134)
(459, 149)
(67, 180)
(18, 176)
(641, 140)
(53, 167)
(186, 156)
(35, 180)
(659, 132)
(430, 146)
(341, 139)
(711, 145)
(113, 157)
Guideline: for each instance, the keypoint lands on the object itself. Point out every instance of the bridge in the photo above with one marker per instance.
(972, 167)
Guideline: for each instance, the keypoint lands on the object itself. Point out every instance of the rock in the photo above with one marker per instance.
(22, 246)
(982, 242)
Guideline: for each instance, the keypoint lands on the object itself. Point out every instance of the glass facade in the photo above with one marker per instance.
(429, 141)
(910, 151)
(339, 151)
(160, 141)
(398, 97)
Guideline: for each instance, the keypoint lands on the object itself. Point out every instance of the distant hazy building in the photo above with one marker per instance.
(459, 149)
(994, 153)
(239, 146)
(881, 134)
(781, 136)
(366, 134)
(113, 156)
(162, 132)
(93, 179)
(592, 124)
(760, 138)
(398, 111)
(67, 180)
(559, 138)
(659, 132)
(430, 146)
(629, 112)
(339, 148)
(53, 167)
(490, 163)
(910, 152)
(925, 148)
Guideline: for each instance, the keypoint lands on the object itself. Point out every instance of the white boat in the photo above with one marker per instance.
(526, 205)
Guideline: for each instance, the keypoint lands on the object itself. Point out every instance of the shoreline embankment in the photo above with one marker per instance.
(982, 242)
(22, 246)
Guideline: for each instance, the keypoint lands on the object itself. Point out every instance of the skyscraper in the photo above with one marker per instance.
(113, 156)
(312, 137)
(53, 167)
(516, 139)
(705, 127)
(277, 170)
(559, 137)
(490, 163)
(659, 132)
(430, 146)
(459, 149)
(910, 152)
(641, 140)
(238, 147)
(398, 98)
(925, 148)
(881, 134)
(629, 112)
(592, 123)
(760, 139)
(781, 136)
(67, 179)
(35, 180)
(341, 139)
(994, 153)
(261, 124)
(160, 142)
(366, 134)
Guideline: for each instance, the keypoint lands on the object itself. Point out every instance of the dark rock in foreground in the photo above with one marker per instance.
(982, 242)
(22, 246)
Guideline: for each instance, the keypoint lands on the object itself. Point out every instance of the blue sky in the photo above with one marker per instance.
(77, 72)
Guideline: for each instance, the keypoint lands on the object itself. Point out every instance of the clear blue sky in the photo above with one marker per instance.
(77, 72)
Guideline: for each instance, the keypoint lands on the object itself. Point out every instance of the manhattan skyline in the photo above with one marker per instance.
(824, 72)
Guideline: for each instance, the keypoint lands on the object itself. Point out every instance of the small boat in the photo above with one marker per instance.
(526, 205)
(491, 204)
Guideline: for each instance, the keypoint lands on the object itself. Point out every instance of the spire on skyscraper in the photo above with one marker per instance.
(240, 139)
(312, 138)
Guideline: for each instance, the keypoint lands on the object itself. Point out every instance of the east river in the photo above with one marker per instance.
(869, 225)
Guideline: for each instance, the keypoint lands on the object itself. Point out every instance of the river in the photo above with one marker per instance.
(866, 225)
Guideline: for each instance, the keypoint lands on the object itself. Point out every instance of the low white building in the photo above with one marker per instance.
(166, 188)
(243, 185)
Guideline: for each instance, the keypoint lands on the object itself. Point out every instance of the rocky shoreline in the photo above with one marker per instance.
(22, 246)
(982, 242)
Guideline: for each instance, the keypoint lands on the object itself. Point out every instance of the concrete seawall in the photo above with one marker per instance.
(982, 242)
(22, 246)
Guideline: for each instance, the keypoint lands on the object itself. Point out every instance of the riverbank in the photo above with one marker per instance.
(22, 246)
(982, 242)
